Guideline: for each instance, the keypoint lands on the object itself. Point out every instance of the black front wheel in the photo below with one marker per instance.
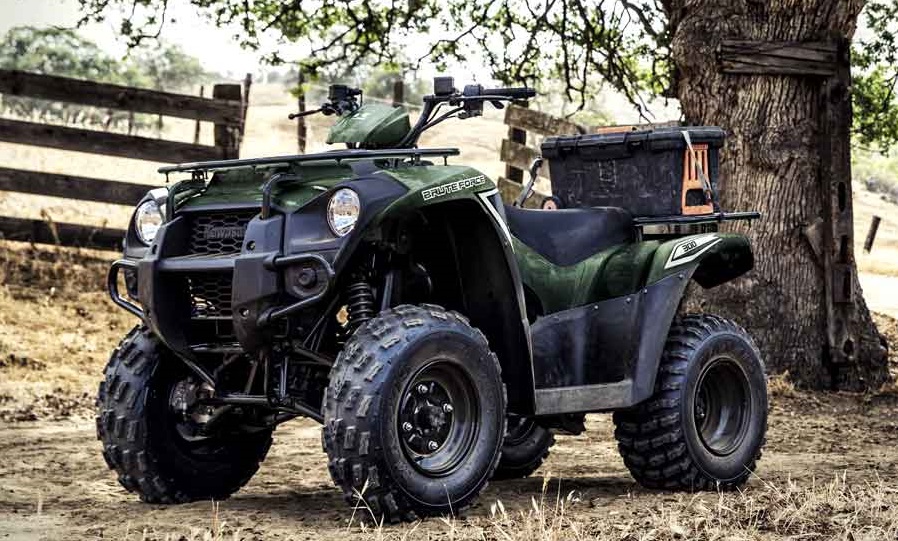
(414, 414)
(150, 427)
(704, 427)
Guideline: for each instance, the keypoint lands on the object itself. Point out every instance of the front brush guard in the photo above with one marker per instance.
(112, 287)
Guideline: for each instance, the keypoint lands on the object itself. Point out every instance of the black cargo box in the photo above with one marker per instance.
(648, 172)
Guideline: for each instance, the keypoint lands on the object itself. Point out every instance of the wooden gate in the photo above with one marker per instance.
(226, 109)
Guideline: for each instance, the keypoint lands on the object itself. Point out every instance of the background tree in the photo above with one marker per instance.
(61, 51)
(644, 47)
(168, 67)
(58, 52)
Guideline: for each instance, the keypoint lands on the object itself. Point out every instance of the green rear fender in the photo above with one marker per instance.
(711, 258)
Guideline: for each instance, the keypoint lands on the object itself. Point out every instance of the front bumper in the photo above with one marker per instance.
(280, 271)
(251, 293)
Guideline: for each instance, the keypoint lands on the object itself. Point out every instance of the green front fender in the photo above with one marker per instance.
(716, 258)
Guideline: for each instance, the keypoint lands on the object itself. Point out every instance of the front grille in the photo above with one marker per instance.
(210, 295)
(219, 233)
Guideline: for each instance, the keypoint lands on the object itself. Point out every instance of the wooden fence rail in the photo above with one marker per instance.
(71, 187)
(44, 232)
(109, 144)
(226, 110)
(109, 96)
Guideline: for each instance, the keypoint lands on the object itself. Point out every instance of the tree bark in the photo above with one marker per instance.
(772, 163)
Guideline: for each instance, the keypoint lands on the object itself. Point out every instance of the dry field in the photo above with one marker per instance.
(827, 473)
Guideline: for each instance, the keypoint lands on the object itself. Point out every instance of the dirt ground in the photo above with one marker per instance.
(827, 472)
(55, 485)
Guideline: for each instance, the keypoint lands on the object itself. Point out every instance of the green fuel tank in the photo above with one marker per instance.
(373, 125)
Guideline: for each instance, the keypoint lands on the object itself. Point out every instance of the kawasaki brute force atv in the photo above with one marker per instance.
(440, 336)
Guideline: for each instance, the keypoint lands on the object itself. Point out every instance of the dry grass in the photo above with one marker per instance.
(831, 509)
(218, 530)
(780, 385)
(57, 328)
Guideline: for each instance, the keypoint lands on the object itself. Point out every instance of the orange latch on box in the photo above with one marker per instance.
(695, 158)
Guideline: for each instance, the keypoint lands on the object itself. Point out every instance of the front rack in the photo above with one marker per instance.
(334, 155)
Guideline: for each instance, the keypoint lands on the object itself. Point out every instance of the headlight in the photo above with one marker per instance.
(147, 221)
(343, 210)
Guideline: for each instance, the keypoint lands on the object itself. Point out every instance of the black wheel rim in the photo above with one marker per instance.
(722, 406)
(518, 429)
(186, 430)
(437, 421)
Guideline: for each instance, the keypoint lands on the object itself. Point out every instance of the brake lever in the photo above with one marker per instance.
(497, 104)
(292, 116)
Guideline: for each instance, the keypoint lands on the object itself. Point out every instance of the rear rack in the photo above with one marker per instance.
(335, 155)
(696, 219)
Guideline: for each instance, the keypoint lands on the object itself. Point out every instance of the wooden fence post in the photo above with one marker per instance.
(398, 92)
(516, 135)
(247, 83)
(196, 129)
(301, 121)
(871, 234)
(227, 138)
(838, 235)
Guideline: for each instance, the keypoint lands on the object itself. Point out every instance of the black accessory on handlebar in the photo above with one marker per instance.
(341, 100)
(338, 93)
(443, 86)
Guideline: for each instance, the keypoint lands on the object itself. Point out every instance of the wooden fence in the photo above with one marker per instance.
(226, 109)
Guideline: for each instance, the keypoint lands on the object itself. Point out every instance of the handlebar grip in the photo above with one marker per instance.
(515, 92)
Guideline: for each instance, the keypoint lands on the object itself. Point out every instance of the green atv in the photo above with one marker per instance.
(440, 336)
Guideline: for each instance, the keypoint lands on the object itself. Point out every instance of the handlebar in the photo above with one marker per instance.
(515, 92)
(465, 104)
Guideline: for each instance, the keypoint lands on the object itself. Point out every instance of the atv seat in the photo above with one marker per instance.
(568, 236)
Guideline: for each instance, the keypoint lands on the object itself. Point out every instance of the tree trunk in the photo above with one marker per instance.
(782, 141)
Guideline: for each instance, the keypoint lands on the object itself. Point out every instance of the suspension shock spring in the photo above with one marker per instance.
(359, 304)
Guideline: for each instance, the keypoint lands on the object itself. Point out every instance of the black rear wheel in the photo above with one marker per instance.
(704, 427)
(414, 414)
(721, 410)
(151, 433)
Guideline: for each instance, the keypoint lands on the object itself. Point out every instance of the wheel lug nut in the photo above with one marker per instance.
(422, 389)
(432, 445)
(406, 427)
(448, 408)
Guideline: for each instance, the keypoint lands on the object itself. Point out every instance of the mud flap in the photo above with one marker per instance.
(605, 355)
